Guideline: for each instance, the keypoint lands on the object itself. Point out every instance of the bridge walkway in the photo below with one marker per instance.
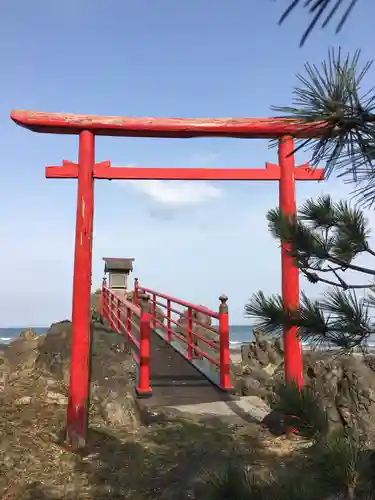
(175, 381)
(182, 357)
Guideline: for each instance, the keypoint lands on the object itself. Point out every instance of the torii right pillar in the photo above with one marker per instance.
(293, 360)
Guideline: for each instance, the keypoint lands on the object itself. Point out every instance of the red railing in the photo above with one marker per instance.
(132, 320)
(203, 333)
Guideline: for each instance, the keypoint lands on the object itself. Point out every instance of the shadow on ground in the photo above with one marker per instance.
(166, 461)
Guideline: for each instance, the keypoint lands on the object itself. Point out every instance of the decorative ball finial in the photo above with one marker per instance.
(223, 299)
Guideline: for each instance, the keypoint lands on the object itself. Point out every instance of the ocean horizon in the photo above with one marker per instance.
(239, 334)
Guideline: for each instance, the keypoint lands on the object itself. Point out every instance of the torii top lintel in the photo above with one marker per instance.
(261, 128)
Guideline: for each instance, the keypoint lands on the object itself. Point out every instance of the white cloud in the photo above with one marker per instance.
(174, 194)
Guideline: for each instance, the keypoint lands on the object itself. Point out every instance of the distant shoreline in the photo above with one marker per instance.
(7, 335)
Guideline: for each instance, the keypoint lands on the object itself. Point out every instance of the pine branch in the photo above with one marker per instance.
(350, 321)
(269, 313)
(339, 319)
(369, 301)
(333, 94)
(321, 10)
(340, 283)
(325, 238)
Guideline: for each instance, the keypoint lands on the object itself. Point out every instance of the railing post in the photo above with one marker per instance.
(225, 382)
(118, 315)
(154, 310)
(135, 293)
(128, 322)
(102, 307)
(169, 322)
(111, 310)
(143, 388)
(190, 333)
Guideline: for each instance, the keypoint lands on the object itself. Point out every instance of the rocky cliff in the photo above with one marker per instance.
(345, 383)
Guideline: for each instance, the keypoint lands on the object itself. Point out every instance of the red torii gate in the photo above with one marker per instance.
(86, 170)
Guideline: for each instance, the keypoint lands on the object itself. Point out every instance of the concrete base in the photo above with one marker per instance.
(248, 408)
(142, 394)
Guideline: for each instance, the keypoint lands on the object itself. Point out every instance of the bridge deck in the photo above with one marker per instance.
(175, 381)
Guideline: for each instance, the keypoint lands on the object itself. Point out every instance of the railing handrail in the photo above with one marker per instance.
(189, 305)
(135, 309)
(113, 307)
(222, 329)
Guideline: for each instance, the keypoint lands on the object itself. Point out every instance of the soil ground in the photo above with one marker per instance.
(171, 458)
(168, 459)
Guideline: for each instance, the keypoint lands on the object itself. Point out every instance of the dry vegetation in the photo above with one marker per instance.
(172, 458)
(159, 461)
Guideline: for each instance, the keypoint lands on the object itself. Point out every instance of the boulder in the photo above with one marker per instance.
(345, 384)
(41, 369)
(117, 409)
(260, 360)
(201, 325)
(29, 334)
(20, 356)
(347, 388)
(112, 366)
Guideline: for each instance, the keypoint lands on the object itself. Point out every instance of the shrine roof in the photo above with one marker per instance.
(115, 264)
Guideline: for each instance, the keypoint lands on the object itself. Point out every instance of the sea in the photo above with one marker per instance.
(239, 334)
(9, 334)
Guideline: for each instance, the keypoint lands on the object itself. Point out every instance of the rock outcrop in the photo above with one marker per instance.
(345, 384)
(260, 360)
(46, 359)
(34, 378)
(201, 326)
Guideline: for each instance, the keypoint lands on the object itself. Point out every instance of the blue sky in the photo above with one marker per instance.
(162, 58)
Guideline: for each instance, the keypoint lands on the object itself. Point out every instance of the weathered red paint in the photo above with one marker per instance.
(293, 362)
(85, 171)
(121, 320)
(225, 381)
(144, 388)
(102, 302)
(78, 404)
(222, 361)
(261, 128)
(270, 173)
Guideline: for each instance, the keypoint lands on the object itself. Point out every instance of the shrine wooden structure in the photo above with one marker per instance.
(87, 169)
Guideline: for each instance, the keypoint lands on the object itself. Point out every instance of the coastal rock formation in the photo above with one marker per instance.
(260, 359)
(112, 369)
(39, 367)
(34, 377)
(18, 358)
(201, 326)
(345, 384)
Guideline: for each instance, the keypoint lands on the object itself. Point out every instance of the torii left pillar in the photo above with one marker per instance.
(77, 412)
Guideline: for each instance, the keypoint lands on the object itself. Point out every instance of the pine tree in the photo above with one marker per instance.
(327, 237)
(321, 11)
